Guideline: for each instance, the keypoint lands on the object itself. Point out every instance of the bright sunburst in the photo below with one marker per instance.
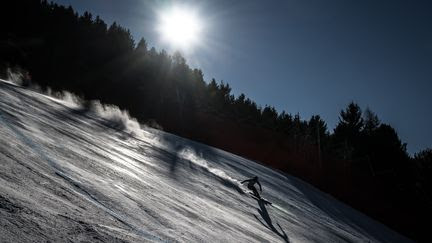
(180, 27)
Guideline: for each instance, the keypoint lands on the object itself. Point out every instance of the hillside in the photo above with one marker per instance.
(75, 174)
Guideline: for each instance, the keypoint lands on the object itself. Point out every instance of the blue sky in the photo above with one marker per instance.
(308, 56)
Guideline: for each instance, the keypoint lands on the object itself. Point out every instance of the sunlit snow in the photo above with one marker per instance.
(68, 174)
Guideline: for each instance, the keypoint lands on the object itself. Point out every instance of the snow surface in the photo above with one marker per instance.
(68, 174)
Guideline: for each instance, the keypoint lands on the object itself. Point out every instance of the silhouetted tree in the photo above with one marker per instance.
(423, 166)
(387, 152)
(347, 132)
(317, 130)
(350, 121)
(371, 121)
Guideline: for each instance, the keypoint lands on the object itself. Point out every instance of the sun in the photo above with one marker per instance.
(180, 27)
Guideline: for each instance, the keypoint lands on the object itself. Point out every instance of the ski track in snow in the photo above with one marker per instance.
(65, 169)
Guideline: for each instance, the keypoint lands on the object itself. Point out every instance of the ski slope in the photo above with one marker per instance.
(68, 174)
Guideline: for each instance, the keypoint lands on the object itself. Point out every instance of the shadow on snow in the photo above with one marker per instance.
(268, 221)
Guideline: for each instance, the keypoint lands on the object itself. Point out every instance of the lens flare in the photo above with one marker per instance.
(180, 27)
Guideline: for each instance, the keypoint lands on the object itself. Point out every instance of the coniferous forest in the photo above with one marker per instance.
(362, 162)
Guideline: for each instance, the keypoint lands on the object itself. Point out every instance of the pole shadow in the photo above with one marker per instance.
(268, 221)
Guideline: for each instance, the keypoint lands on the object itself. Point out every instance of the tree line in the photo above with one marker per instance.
(82, 54)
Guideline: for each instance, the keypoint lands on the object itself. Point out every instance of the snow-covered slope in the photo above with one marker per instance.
(67, 175)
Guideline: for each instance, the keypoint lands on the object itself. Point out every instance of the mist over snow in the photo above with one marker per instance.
(82, 171)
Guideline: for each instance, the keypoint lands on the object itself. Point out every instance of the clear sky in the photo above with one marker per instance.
(307, 56)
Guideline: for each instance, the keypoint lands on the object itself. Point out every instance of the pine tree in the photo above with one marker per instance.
(347, 132)
(371, 121)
